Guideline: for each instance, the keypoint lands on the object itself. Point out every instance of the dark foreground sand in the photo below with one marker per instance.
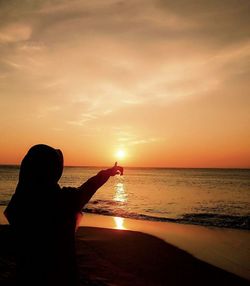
(121, 257)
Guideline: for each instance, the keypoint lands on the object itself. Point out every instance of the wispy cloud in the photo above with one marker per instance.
(146, 141)
(15, 33)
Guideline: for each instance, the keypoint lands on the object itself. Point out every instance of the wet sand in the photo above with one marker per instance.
(222, 247)
(123, 257)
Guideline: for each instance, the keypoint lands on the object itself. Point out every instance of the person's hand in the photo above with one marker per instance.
(115, 170)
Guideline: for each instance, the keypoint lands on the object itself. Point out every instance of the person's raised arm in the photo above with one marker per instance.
(88, 189)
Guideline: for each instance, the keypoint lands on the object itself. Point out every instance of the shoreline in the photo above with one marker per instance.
(227, 249)
(123, 257)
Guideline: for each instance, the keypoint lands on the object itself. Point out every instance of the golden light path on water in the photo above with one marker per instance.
(119, 222)
(120, 196)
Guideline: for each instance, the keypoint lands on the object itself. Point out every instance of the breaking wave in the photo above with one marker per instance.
(203, 219)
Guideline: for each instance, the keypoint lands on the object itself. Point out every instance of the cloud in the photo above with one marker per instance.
(218, 22)
(15, 33)
(145, 141)
(126, 136)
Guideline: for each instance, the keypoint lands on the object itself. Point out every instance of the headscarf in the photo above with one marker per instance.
(40, 171)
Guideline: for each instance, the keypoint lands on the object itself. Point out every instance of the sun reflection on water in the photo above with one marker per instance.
(120, 194)
(119, 222)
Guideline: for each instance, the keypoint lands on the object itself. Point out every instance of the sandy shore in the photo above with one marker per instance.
(114, 250)
(225, 248)
(122, 258)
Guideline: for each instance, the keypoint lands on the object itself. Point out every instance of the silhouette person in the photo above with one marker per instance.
(44, 216)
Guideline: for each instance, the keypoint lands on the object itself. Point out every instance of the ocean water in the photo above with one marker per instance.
(209, 197)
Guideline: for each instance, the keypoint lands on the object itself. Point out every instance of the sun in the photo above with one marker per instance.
(120, 154)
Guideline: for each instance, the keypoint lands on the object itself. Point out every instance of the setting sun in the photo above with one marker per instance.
(120, 154)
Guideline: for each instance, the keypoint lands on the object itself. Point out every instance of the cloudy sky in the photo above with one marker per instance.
(167, 81)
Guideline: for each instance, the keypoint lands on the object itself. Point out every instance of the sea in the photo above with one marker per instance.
(207, 197)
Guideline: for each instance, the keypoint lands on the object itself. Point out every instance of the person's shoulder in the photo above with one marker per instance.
(67, 199)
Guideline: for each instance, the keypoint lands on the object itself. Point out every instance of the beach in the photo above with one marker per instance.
(224, 248)
(121, 257)
(114, 255)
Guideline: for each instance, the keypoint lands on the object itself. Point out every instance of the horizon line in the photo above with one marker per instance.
(140, 167)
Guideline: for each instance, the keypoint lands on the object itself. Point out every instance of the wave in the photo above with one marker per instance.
(4, 202)
(204, 219)
(117, 208)
(219, 220)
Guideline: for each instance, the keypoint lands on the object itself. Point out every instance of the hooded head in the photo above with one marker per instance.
(40, 170)
(42, 166)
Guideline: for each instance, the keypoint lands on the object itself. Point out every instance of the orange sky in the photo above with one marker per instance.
(168, 81)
